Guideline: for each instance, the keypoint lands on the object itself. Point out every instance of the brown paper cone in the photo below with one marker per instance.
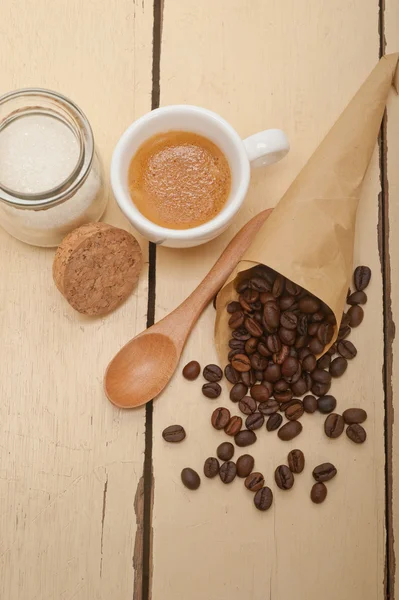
(309, 236)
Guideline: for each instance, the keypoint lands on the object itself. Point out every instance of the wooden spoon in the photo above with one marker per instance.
(143, 367)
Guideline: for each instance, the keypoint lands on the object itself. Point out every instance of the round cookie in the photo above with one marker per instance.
(96, 267)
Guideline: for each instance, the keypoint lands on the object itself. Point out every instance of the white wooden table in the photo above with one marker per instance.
(91, 504)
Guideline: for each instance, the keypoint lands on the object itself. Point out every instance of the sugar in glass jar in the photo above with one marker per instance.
(51, 178)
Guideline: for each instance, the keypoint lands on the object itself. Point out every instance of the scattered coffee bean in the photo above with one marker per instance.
(233, 426)
(251, 345)
(321, 376)
(325, 333)
(338, 366)
(253, 327)
(318, 493)
(356, 314)
(300, 387)
(260, 393)
(211, 390)
(263, 498)
(356, 433)
(272, 373)
(296, 461)
(238, 391)
(274, 422)
(324, 362)
(241, 363)
(245, 438)
(174, 433)
(231, 374)
(326, 404)
(284, 477)
(269, 407)
(211, 467)
(254, 421)
(354, 415)
(289, 430)
(344, 332)
(233, 307)
(283, 396)
(254, 482)
(294, 411)
(346, 349)
(228, 472)
(212, 373)
(237, 319)
(225, 451)
(191, 370)
(247, 405)
(320, 389)
(334, 425)
(190, 478)
(245, 465)
(362, 278)
(357, 298)
(310, 404)
(316, 346)
(248, 378)
(309, 363)
(220, 418)
(324, 472)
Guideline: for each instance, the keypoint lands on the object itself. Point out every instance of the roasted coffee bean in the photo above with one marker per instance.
(325, 333)
(232, 307)
(274, 422)
(245, 465)
(258, 362)
(190, 478)
(283, 477)
(211, 390)
(288, 320)
(285, 405)
(233, 426)
(259, 284)
(313, 329)
(285, 302)
(281, 386)
(266, 297)
(237, 344)
(273, 343)
(263, 349)
(220, 417)
(225, 451)
(310, 404)
(254, 482)
(256, 306)
(238, 391)
(301, 341)
(233, 353)
(326, 404)
(356, 433)
(236, 320)
(294, 411)
(242, 285)
(347, 349)
(321, 376)
(254, 421)
(174, 433)
(324, 362)
(248, 378)
(271, 315)
(280, 356)
(318, 317)
(315, 346)
(211, 467)
(269, 386)
(338, 366)
(308, 381)
(192, 370)
(284, 396)
(250, 295)
(289, 367)
(247, 405)
(251, 345)
(253, 327)
(245, 438)
(212, 373)
(320, 389)
(354, 415)
(356, 314)
(228, 471)
(272, 372)
(296, 461)
(287, 336)
(278, 286)
(241, 334)
(292, 288)
(302, 325)
(309, 363)
(260, 393)
(241, 363)
(300, 387)
(269, 407)
(324, 472)
(303, 353)
(357, 298)
(318, 493)
(343, 332)
(231, 374)
(361, 277)
(334, 425)
(309, 305)
(263, 498)
(289, 430)
(332, 349)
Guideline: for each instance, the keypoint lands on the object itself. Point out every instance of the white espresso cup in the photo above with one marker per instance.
(260, 149)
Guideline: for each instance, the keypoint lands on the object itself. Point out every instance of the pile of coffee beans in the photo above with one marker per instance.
(279, 330)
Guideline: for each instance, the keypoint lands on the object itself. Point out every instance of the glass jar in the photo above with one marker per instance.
(51, 178)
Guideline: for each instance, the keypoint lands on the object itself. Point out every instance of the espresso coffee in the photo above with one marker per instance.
(179, 179)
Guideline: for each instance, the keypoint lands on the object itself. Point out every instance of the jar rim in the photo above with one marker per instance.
(84, 134)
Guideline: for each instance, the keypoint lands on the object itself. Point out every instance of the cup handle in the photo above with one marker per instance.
(266, 147)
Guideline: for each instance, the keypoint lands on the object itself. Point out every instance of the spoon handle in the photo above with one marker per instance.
(190, 310)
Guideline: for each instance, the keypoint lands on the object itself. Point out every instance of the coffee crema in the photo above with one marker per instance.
(179, 179)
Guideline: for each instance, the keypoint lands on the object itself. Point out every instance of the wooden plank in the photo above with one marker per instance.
(390, 245)
(293, 65)
(70, 463)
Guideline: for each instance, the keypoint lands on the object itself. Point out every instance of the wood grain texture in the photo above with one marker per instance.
(295, 66)
(391, 224)
(70, 462)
